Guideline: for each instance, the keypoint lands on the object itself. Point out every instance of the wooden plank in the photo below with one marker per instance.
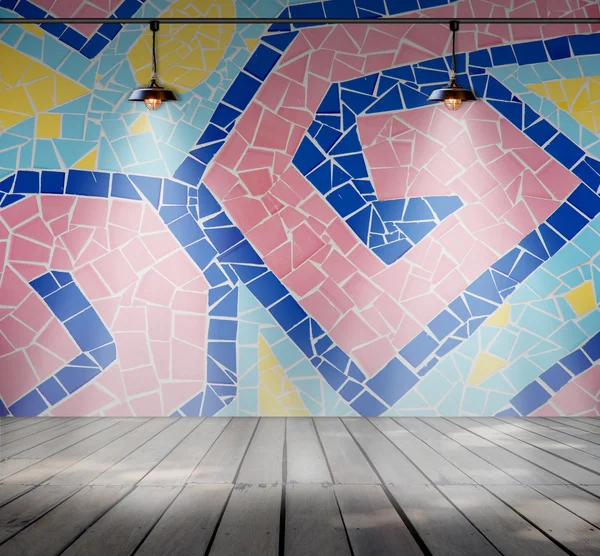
(11, 466)
(306, 461)
(481, 471)
(346, 461)
(15, 423)
(549, 462)
(250, 524)
(313, 524)
(372, 523)
(88, 468)
(9, 492)
(571, 531)
(53, 532)
(133, 468)
(558, 436)
(10, 419)
(19, 513)
(505, 529)
(522, 470)
(548, 445)
(69, 439)
(221, 463)
(175, 469)
(188, 524)
(123, 527)
(592, 421)
(391, 464)
(590, 437)
(20, 434)
(575, 500)
(575, 423)
(46, 468)
(263, 463)
(442, 527)
(437, 469)
(13, 449)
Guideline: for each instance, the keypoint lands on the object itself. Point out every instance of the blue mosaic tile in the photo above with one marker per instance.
(392, 382)
(30, 404)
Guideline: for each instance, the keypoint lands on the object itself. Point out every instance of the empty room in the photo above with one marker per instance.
(296, 277)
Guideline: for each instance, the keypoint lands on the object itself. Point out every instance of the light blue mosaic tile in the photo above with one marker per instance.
(247, 333)
(548, 306)
(566, 259)
(567, 68)
(448, 369)
(153, 168)
(248, 400)
(537, 322)
(497, 382)
(122, 149)
(302, 369)
(522, 372)
(272, 334)
(590, 324)
(247, 302)
(8, 158)
(433, 388)
(588, 240)
(524, 294)
(250, 377)
(503, 345)
(287, 353)
(473, 401)
(45, 155)
(495, 402)
(311, 405)
(450, 405)
(589, 65)
(247, 356)
(26, 154)
(569, 126)
(573, 278)
(546, 360)
(487, 335)
(311, 387)
(412, 400)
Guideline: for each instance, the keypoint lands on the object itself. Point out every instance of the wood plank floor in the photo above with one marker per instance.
(298, 487)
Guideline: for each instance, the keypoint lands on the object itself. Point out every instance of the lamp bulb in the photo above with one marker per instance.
(452, 103)
(152, 103)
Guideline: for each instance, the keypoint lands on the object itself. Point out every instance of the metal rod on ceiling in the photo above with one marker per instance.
(303, 20)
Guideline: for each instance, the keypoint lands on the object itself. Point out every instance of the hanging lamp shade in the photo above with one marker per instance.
(453, 95)
(153, 95)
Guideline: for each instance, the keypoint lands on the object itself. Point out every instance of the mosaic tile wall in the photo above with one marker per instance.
(302, 233)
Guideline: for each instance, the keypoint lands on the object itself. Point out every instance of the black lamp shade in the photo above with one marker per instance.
(152, 92)
(452, 92)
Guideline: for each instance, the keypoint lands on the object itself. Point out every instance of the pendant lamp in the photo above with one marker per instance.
(453, 95)
(153, 95)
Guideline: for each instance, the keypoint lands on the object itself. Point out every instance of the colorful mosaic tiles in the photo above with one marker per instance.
(302, 234)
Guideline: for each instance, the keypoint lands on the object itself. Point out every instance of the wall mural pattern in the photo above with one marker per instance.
(303, 233)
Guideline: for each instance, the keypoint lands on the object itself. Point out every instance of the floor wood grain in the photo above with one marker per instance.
(300, 486)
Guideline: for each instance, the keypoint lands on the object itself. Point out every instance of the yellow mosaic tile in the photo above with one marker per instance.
(24, 79)
(88, 162)
(277, 396)
(582, 298)
(141, 125)
(485, 365)
(579, 96)
(47, 126)
(187, 54)
(500, 317)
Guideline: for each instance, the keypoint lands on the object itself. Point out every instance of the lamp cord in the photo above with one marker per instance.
(453, 53)
(153, 54)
